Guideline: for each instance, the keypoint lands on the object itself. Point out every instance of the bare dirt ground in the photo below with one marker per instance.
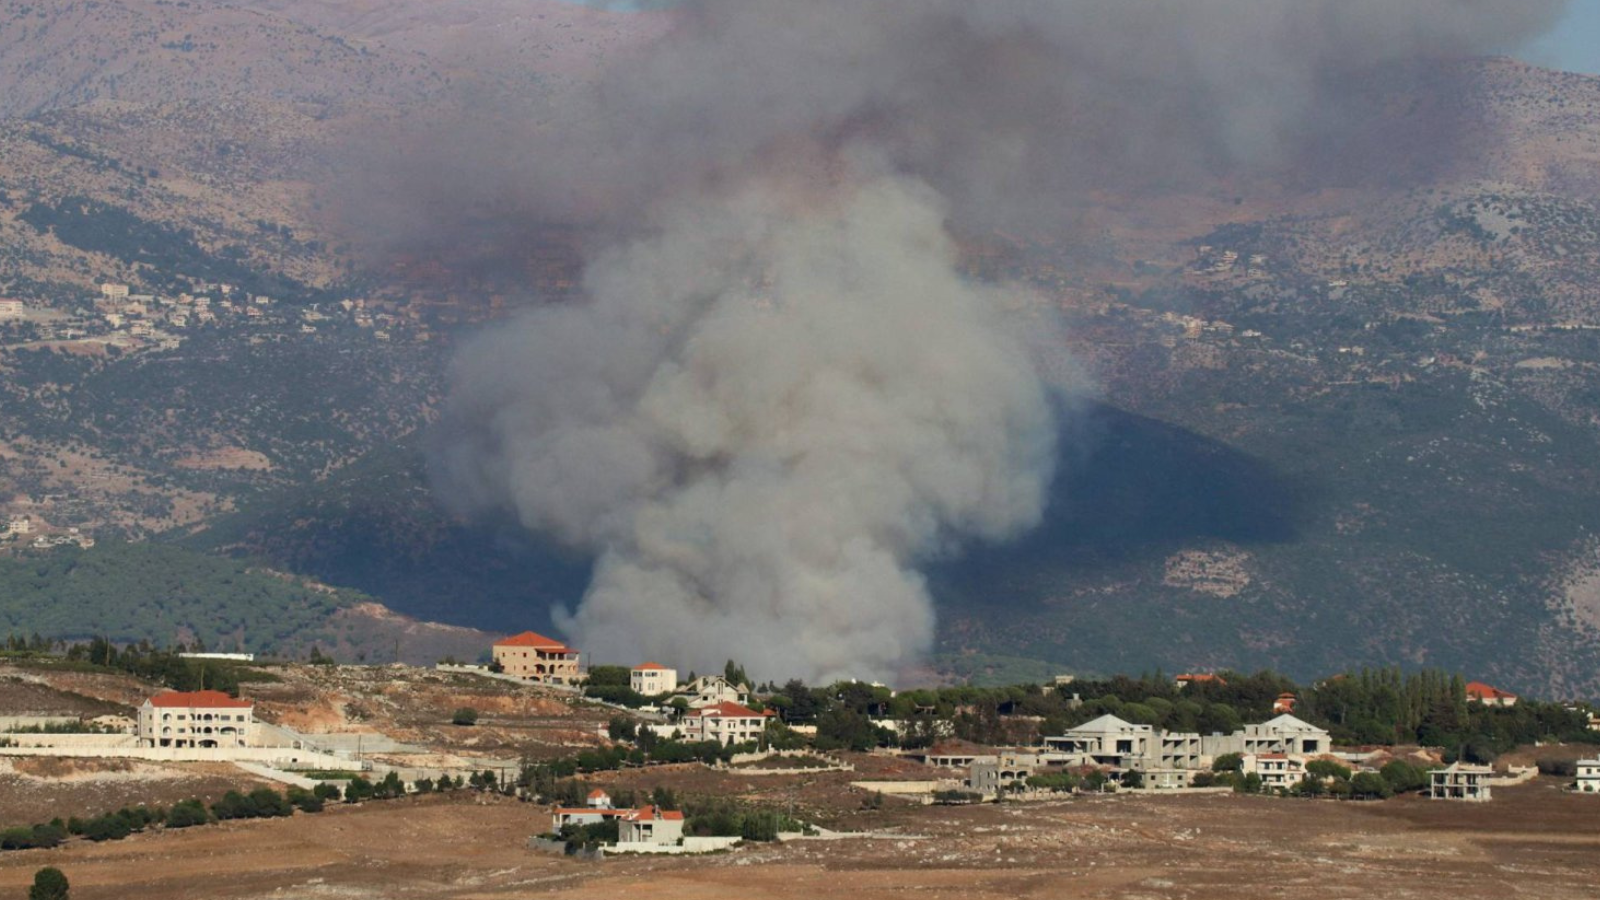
(1534, 841)
(38, 789)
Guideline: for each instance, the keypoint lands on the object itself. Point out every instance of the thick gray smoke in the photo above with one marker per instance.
(780, 395)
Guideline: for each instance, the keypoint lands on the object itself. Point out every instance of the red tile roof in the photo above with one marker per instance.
(732, 710)
(658, 666)
(651, 813)
(535, 640)
(1203, 677)
(199, 700)
(596, 793)
(1477, 690)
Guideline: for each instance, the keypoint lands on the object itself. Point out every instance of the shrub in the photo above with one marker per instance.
(466, 716)
(49, 883)
(107, 828)
(187, 814)
(303, 800)
(326, 792)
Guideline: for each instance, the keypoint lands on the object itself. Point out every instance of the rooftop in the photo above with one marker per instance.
(198, 700)
(535, 640)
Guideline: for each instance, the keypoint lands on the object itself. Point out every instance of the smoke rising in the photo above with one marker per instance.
(780, 394)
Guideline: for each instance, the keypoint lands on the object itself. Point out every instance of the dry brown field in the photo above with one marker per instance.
(1533, 841)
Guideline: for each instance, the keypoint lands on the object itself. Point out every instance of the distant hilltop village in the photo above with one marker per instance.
(117, 317)
(613, 755)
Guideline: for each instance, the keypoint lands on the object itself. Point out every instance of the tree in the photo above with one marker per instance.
(1228, 762)
(1133, 779)
(735, 674)
(465, 716)
(49, 883)
(1370, 786)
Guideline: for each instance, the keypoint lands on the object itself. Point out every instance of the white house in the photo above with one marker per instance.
(1107, 741)
(1277, 770)
(596, 809)
(650, 825)
(1588, 776)
(653, 679)
(710, 690)
(1460, 781)
(725, 723)
(198, 719)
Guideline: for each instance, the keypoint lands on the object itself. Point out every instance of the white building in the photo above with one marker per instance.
(1460, 781)
(11, 309)
(710, 690)
(653, 679)
(1284, 734)
(1276, 770)
(1588, 776)
(1107, 741)
(114, 291)
(725, 723)
(650, 825)
(209, 719)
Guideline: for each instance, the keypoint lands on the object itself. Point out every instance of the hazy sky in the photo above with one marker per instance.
(1575, 44)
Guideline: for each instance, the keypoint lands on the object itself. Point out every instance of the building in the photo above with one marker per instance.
(1588, 776)
(992, 775)
(957, 754)
(1107, 741)
(1283, 734)
(650, 825)
(709, 690)
(537, 658)
(1276, 770)
(205, 719)
(653, 679)
(725, 723)
(20, 525)
(114, 291)
(1460, 781)
(596, 809)
(11, 309)
(1478, 692)
(1183, 681)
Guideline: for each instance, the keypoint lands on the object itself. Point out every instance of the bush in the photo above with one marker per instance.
(1370, 786)
(1561, 768)
(187, 814)
(1403, 777)
(357, 790)
(107, 828)
(49, 883)
(303, 800)
(326, 792)
(465, 716)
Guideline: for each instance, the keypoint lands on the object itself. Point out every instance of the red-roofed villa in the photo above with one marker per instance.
(1478, 692)
(725, 723)
(208, 719)
(537, 658)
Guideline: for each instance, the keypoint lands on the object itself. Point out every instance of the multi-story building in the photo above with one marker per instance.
(1588, 776)
(11, 309)
(1107, 741)
(650, 825)
(1460, 781)
(537, 658)
(1277, 770)
(203, 719)
(1284, 734)
(709, 690)
(725, 723)
(653, 679)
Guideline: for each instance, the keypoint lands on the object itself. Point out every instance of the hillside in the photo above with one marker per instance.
(1341, 417)
(130, 593)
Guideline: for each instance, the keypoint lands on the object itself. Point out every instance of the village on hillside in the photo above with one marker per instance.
(1194, 734)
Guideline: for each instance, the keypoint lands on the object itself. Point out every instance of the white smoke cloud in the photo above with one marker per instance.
(762, 418)
(780, 396)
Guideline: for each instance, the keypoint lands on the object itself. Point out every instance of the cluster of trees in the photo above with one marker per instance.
(151, 592)
(1323, 778)
(167, 667)
(1383, 707)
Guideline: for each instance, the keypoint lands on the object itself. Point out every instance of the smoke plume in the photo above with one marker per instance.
(780, 395)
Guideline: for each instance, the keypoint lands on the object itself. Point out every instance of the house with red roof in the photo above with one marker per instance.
(1183, 681)
(653, 679)
(726, 723)
(650, 825)
(1478, 692)
(535, 657)
(197, 719)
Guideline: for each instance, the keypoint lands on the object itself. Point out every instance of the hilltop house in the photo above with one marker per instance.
(596, 809)
(1488, 695)
(710, 690)
(537, 658)
(1183, 681)
(209, 719)
(955, 754)
(1460, 781)
(652, 679)
(650, 825)
(1588, 776)
(1107, 741)
(725, 723)
(1283, 734)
